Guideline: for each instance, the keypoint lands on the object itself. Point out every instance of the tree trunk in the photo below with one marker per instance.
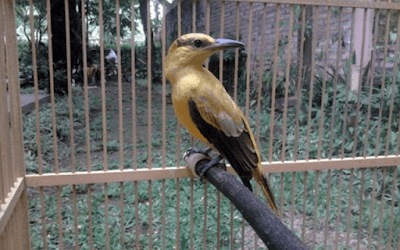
(307, 48)
(143, 15)
(59, 43)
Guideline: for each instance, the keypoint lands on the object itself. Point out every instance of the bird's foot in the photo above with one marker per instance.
(202, 170)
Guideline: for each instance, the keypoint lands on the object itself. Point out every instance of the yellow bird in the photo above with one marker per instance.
(207, 111)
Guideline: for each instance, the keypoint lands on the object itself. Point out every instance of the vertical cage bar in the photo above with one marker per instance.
(282, 187)
(133, 92)
(90, 215)
(178, 146)
(248, 60)
(163, 218)
(106, 215)
(395, 67)
(194, 16)
(149, 76)
(335, 83)
(349, 205)
(122, 212)
(316, 13)
(191, 219)
(14, 89)
(355, 137)
(346, 109)
(382, 92)
(120, 94)
(315, 210)
(75, 213)
(321, 124)
(325, 69)
(303, 226)
(137, 228)
(24, 214)
(221, 52)
(177, 236)
(361, 208)
(274, 76)
(150, 190)
(85, 89)
(164, 89)
(391, 220)
(232, 229)
(3, 115)
(287, 82)
(69, 88)
(59, 215)
(371, 79)
(205, 204)
(260, 74)
(299, 84)
(104, 122)
(36, 90)
(292, 202)
(328, 204)
(218, 236)
(178, 125)
(5, 153)
(164, 123)
(134, 127)
(372, 209)
(103, 88)
(398, 137)
(191, 233)
(52, 97)
(235, 80)
(339, 201)
(43, 218)
(297, 119)
(381, 209)
(207, 30)
(221, 75)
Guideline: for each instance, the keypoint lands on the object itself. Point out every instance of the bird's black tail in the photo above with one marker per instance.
(263, 182)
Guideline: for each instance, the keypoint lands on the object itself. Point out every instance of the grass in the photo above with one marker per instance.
(358, 188)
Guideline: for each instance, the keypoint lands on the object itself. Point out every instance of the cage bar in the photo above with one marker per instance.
(321, 155)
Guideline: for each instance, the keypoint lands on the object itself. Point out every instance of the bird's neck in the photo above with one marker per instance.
(174, 72)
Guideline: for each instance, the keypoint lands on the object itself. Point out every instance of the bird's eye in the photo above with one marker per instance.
(197, 43)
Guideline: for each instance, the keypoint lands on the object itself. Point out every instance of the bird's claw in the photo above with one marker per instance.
(201, 169)
(205, 167)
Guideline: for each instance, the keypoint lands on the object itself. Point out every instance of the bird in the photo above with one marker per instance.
(208, 112)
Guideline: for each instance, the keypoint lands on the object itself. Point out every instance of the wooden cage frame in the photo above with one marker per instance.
(14, 182)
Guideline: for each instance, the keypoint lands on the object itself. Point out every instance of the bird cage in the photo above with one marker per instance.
(94, 161)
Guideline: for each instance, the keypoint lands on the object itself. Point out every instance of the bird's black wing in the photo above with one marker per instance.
(236, 146)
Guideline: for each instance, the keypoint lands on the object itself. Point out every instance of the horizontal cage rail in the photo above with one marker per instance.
(36, 180)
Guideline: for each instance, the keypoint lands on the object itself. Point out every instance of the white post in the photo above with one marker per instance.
(358, 44)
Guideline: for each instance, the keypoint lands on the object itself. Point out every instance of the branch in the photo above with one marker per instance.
(268, 227)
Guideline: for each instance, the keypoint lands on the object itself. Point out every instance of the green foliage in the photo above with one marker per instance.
(26, 65)
(62, 131)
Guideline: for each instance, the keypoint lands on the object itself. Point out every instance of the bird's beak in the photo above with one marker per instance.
(221, 44)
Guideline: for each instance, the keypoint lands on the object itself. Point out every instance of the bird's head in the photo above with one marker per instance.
(194, 49)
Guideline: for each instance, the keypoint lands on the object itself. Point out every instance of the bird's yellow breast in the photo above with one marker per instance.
(211, 98)
(182, 90)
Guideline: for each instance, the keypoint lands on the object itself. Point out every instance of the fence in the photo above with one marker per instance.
(318, 81)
